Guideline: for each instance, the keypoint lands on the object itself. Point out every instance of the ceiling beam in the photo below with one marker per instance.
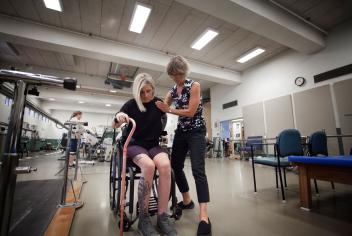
(78, 107)
(88, 84)
(24, 32)
(265, 19)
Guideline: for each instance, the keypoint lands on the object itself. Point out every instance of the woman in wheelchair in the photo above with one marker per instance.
(146, 153)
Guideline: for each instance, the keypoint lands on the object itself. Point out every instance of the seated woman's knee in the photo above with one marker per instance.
(146, 164)
(163, 165)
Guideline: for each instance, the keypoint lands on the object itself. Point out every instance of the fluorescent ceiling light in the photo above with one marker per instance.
(52, 99)
(53, 5)
(139, 17)
(80, 102)
(204, 39)
(251, 54)
(108, 105)
(113, 91)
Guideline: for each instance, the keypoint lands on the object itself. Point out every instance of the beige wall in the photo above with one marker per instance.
(314, 111)
(308, 111)
(343, 95)
(207, 117)
(253, 120)
(278, 115)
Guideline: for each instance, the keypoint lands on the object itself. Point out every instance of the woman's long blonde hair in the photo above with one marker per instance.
(139, 82)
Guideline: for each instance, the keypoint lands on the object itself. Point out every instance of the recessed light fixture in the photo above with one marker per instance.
(52, 99)
(113, 91)
(204, 39)
(108, 105)
(80, 102)
(55, 5)
(250, 54)
(139, 17)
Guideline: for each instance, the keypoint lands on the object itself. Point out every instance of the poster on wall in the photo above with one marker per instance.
(225, 129)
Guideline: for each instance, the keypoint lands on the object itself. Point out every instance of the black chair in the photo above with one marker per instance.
(287, 143)
(317, 146)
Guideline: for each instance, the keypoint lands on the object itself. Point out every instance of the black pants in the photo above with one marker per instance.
(193, 141)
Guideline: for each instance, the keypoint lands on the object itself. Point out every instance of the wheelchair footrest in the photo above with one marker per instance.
(153, 206)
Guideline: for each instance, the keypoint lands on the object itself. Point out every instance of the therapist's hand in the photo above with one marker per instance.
(163, 106)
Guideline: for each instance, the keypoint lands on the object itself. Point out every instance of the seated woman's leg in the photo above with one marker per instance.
(145, 183)
(163, 166)
(147, 166)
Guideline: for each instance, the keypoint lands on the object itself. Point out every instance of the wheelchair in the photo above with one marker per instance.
(133, 173)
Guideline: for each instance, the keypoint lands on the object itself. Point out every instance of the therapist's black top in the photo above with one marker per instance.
(148, 123)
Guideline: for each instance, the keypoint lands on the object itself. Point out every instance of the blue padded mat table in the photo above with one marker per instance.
(329, 160)
(331, 168)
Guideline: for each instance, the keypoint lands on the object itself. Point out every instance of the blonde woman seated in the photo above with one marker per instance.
(146, 153)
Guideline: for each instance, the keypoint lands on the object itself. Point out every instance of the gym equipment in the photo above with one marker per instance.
(63, 202)
(118, 189)
(9, 159)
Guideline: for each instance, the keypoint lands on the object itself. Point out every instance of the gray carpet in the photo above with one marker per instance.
(35, 204)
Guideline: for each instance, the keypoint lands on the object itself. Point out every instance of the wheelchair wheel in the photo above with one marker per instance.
(112, 184)
(126, 223)
(113, 180)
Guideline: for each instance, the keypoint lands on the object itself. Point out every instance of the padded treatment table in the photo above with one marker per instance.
(330, 168)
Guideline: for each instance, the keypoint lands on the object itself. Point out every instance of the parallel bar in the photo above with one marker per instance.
(10, 158)
(9, 93)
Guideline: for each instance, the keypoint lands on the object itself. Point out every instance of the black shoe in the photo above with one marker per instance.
(204, 229)
(185, 207)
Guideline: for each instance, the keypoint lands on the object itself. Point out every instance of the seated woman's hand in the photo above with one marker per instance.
(120, 118)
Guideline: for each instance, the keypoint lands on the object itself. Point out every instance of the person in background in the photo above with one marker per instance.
(189, 136)
(145, 151)
(77, 132)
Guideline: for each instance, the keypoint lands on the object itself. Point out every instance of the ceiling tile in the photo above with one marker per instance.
(103, 68)
(156, 18)
(237, 50)
(225, 45)
(191, 23)
(7, 8)
(210, 22)
(112, 12)
(25, 9)
(50, 59)
(91, 11)
(175, 16)
(46, 15)
(71, 16)
(92, 66)
(124, 35)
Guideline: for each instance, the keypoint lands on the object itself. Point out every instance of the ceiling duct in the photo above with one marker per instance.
(121, 76)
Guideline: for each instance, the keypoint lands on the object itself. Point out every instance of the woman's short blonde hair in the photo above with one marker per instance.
(139, 82)
(177, 65)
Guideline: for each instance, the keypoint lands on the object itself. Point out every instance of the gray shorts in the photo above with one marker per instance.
(135, 150)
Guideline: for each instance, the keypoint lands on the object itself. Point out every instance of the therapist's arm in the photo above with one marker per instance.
(192, 106)
(168, 99)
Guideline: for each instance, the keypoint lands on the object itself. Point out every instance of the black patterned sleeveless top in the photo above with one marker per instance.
(182, 102)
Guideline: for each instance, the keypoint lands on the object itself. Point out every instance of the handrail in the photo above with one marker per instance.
(9, 93)
(37, 79)
(9, 158)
